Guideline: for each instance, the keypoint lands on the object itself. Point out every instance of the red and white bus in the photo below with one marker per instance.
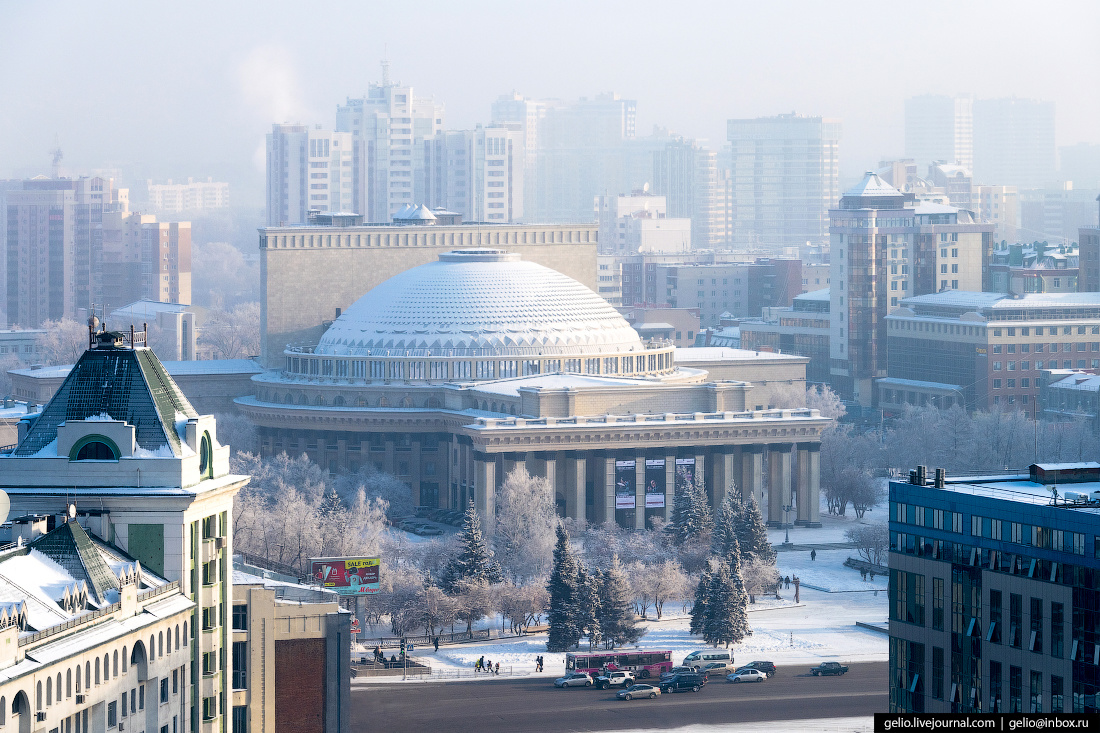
(642, 663)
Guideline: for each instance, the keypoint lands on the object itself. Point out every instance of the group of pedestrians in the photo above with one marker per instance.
(538, 663)
(486, 666)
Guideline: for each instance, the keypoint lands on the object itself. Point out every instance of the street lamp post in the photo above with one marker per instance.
(787, 524)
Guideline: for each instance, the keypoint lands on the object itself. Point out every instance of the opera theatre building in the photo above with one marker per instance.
(451, 373)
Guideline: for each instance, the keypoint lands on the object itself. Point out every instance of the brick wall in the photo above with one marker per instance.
(300, 685)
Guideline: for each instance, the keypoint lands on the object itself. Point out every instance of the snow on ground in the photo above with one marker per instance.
(821, 627)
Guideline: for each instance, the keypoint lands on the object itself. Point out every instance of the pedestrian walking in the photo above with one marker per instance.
(498, 669)
(872, 574)
(863, 573)
(787, 578)
(813, 555)
(796, 589)
(435, 642)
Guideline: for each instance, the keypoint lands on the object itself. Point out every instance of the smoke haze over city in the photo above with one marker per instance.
(155, 91)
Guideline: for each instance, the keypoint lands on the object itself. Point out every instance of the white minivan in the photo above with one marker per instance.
(699, 659)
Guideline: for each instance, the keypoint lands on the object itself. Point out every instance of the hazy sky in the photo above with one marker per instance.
(190, 88)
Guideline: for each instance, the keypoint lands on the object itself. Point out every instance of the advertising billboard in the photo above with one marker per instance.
(655, 483)
(348, 576)
(625, 480)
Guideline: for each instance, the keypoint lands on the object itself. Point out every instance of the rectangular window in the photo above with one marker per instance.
(1015, 689)
(1057, 630)
(240, 719)
(1057, 704)
(1035, 643)
(994, 633)
(164, 691)
(937, 604)
(1015, 619)
(937, 673)
(209, 708)
(240, 665)
(112, 714)
(995, 703)
(240, 617)
(1036, 703)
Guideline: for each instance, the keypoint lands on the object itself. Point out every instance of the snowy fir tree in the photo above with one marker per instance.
(726, 607)
(616, 611)
(475, 560)
(588, 607)
(726, 524)
(699, 607)
(562, 587)
(752, 532)
(691, 515)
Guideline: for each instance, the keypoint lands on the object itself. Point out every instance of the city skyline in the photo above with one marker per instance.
(204, 103)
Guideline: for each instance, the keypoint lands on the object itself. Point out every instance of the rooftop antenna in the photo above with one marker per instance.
(385, 66)
(57, 155)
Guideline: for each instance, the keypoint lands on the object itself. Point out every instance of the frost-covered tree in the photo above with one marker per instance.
(872, 541)
(562, 588)
(691, 516)
(752, 532)
(525, 521)
(473, 601)
(475, 560)
(616, 612)
(726, 613)
(588, 611)
(760, 577)
(61, 342)
(699, 612)
(376, 483)
(727, 524)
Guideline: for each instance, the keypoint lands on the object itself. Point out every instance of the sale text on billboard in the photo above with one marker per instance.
(348, 576)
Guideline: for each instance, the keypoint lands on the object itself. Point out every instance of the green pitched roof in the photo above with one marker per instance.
(70, 547)
(127, 384)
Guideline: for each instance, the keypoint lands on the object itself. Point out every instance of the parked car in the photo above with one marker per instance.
(828, 668)
(638, 691)
(767, 668)
(620, 678)
(717, 668)
(574, 679)
(747, 675)
(699, 659)
(683, 682)
(675, 671)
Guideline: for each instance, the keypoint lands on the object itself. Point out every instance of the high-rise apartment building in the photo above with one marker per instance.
(1014, 142)
(516, 112)
(478, 173)
(734, 289)
(1056, 214)
(687, 175)
(884, 250)
(53, 245)
(175, 198)
(639, 223)
(388, 129)
(142, 259)
(940, 129)
(998, 205)
(308, 169)
(784, 175)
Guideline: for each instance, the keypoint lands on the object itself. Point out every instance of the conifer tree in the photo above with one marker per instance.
(588, 606)
(475, 560)
(726, 614)
(616, 612)
(562, 587)
(699, 607)
(691, 516)
(726, 524)
(752, 532)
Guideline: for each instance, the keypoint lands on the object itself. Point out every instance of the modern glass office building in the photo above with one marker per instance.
(995, 592)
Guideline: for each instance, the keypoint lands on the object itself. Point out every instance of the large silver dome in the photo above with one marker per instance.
(480, 303)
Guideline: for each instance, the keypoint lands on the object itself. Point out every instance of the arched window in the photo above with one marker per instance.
(94, 448)
(58, 687)
(69, 683)
(206, 456)
(303, 400)
(106, 667)
(40, 705)
(3, 710)
(160, 646)
(114, 664)
(97, 670)
(125, 660)
(289, 399)
(320, 400)
(49, 690)
(186, 638)
(152, 647)
(87, 674)
(338, 401)
(177, 637)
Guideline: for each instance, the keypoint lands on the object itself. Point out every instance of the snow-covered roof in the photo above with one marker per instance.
(977, 301)
(874, 186)
(822, 294)
(916, 384)
(927, 207)
(142, 308)
(723, 353)
(1081, 382)
(480, 303)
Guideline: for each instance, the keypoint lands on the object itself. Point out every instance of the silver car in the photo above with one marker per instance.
(747, 675)
(574, 679)
(634, 691)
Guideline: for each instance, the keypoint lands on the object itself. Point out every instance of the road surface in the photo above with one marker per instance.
(534, 704)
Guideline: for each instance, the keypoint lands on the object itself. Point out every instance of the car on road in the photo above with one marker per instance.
(703, 657)
(683, 682)
(675, 671)
(620, 678)
(574, 679)
(747, 675)
(634, 691)
(828, 668)
(717, 668)
(767, 668)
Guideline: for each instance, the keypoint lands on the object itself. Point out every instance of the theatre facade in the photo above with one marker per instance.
(450, 374)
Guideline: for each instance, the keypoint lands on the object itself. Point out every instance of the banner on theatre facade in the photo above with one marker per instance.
(655, 483)
(625, 484)
(685, 474)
